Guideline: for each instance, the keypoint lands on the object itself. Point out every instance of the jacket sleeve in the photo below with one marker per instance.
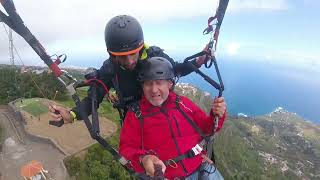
(105, 74)
(181, 69)
(205, 122)
(130, 141)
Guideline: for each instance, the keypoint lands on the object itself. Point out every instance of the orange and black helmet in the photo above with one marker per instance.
(123, 35)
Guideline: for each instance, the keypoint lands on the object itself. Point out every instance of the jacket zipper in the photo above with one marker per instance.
(174, 138)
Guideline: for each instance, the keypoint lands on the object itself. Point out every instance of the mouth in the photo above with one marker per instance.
(131, 66)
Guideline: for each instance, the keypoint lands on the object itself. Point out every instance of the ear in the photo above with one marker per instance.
(170, 84)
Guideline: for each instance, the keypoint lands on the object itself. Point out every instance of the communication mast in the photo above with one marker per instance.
(11, 54)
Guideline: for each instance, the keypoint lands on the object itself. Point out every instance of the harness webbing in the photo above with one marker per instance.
(190, 153)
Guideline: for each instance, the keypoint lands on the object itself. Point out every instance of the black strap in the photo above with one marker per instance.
(136, 109)
(173, 137)
(192, 123)
(208, 138)
(119, 105)
(189, 154)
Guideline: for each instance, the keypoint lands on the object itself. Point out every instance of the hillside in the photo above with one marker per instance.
(203, 99)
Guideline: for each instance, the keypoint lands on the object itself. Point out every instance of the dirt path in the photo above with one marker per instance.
(15, 153)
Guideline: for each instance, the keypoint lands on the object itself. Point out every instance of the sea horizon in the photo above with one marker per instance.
(257, 88)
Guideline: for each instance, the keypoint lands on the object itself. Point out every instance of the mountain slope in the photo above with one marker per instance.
(279, 145)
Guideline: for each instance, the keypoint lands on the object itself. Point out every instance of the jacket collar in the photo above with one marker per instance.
(169, 103)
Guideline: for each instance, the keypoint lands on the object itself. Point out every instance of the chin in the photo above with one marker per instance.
(156, 103)
(132, 67)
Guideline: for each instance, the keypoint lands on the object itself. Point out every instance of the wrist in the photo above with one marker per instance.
(197, 62)
(147, 154)
(73, 116)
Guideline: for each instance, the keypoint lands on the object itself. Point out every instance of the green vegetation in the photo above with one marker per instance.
(14, 85)
(236, 159)
(246, 148)
(246, 154)
(259, 147)
(98, 163)
(32, 106)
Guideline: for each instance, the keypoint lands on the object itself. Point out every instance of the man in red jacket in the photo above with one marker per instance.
(168, 130)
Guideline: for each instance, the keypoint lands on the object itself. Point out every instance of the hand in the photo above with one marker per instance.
(148, 162)
(62, 113)
(219, 106)
(202, 59)
(113, 98)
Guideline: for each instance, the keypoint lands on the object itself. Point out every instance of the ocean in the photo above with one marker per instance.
(257, 88)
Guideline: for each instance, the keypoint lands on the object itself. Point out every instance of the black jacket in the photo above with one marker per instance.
(125, 82)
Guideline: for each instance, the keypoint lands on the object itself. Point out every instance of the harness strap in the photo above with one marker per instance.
(192, 123)
(209, 139)
(194, 151)
(136, 109)
(198, 148)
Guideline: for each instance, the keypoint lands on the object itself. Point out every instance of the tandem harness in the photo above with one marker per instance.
(194, 151)
(15, 22)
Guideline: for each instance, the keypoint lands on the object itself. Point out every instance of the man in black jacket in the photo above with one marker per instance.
(127, 50)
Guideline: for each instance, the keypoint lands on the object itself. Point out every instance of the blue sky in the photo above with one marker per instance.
(277, 31)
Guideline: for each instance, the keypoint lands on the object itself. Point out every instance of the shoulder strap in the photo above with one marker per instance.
(135, 107)
(192, 123)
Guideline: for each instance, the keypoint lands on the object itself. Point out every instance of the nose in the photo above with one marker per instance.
(130, 60)
(154, 88)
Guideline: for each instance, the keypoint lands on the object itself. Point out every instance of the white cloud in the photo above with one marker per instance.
(54, 19)
(58, 21)
(233, 48)
(244, 5)
(306, 60)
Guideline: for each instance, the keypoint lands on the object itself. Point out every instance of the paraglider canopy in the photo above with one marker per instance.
(31, 169)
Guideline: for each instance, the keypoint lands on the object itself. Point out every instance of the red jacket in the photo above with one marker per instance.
(158, 124)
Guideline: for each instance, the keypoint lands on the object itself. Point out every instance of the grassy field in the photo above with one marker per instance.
(32, 106)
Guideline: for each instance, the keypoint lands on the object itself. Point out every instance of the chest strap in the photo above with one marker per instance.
(194, 151)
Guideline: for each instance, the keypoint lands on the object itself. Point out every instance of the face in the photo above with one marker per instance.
(128, 61)
(156, 91)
